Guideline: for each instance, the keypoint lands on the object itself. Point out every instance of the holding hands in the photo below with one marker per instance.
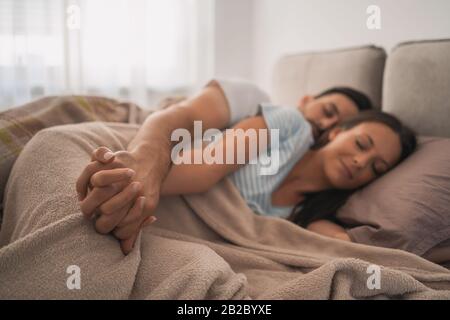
(122, 189)
(120, 193)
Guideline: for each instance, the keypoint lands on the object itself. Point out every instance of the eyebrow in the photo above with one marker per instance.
(372, 144)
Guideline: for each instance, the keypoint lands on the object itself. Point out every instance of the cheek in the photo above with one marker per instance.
(338, 178)
(365, 177)
(334, 173)
(339, 148)
(312, 113)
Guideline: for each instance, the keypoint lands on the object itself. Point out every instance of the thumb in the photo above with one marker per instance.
(127, 245)
(103, 155)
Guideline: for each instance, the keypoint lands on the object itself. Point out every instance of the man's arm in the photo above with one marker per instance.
(210, 107)
(148, 155)
(150, 149)
(222, 103)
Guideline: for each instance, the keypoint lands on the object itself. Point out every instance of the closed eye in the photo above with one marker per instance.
(329, 111)
(375, 171)
(379, 168)
(359, 145)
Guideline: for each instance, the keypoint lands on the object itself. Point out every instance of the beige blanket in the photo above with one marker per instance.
(206, 246)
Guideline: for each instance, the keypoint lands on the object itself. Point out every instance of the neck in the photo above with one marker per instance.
(307, 175)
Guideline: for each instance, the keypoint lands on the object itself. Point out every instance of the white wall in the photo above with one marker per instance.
(234, 38)
(287, 26)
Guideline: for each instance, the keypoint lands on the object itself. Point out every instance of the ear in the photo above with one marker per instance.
(334, 133)
(304, 101)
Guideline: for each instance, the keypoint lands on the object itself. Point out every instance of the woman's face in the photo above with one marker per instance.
(325, 112)
(358, 155)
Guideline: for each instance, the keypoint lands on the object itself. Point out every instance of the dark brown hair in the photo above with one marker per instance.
(324, 204)
(359, 98)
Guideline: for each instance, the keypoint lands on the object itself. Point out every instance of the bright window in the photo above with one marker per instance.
(137, 50)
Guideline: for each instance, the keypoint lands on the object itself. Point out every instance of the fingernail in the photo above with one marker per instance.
(108, 155)
(135, 187)
(150, 220)
(130, 173)
(142, 203)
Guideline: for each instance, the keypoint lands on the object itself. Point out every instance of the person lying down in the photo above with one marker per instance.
(326, 147)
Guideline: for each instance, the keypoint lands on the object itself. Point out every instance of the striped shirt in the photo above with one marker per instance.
(295, 139)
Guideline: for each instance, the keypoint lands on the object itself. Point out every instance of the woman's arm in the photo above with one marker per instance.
(242, 140)
(329, 229)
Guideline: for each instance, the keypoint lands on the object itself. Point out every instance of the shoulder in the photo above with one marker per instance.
(242, 96)
(232, 86)
(293, 130)
(287, 119)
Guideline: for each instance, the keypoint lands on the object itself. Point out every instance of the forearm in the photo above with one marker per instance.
(186, 176)
(153, 138)
(329, 229)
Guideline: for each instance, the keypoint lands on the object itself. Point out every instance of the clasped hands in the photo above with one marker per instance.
(120, 193)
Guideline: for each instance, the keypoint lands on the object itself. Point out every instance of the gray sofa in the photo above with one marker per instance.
(412, 81)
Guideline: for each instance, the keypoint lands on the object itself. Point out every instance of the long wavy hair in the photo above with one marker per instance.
(325, 204)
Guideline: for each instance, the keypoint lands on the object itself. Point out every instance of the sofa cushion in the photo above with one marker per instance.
(310, 73)
(416, 86)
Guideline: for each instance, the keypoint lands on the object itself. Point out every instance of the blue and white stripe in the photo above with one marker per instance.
(295, 139)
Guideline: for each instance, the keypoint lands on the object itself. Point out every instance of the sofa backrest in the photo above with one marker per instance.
(416, 86)
(310, 73)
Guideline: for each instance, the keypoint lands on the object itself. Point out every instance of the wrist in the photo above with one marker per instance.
(155, 158)
(143, 149)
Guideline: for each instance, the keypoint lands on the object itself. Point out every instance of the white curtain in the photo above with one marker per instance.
(136, 50)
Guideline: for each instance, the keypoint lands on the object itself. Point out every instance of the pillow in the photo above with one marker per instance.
(416, 86)
(409, 207)
(440, 254)
(295, 75)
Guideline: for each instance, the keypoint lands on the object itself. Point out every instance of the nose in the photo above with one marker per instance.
(361, 160)
(327, 123)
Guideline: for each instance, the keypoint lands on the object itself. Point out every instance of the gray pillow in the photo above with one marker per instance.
(416, 86)
(295, 75)
(409, 207)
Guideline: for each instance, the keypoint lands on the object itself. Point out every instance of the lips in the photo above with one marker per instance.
(346, 170)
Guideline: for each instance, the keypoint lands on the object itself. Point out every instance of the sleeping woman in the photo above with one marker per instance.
(318, 167)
